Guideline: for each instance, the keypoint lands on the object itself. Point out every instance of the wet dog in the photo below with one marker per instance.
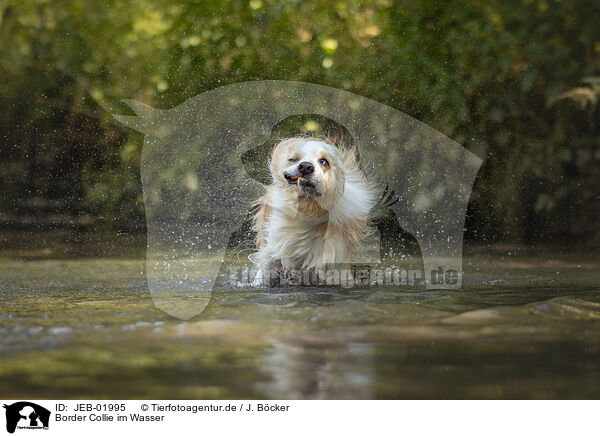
(315, 211)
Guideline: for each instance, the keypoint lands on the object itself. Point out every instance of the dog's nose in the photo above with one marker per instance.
(306, 168)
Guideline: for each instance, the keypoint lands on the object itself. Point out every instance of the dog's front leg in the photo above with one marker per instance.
(258, 281)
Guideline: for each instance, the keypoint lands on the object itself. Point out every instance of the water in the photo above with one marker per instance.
(76, 323)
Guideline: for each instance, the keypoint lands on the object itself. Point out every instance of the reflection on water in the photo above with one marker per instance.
(522, 327)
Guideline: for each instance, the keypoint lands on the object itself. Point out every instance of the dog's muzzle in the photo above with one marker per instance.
(297, 179)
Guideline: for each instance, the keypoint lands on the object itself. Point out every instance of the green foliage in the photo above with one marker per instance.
(493, 75)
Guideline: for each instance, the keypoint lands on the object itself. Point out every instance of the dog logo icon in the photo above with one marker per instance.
(26, 415)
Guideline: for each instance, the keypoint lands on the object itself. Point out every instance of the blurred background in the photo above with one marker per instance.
(516, 82)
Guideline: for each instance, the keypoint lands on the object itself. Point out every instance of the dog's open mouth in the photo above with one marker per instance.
(305, 184)
(300, 181)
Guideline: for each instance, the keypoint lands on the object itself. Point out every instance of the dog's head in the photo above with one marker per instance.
(310, 168)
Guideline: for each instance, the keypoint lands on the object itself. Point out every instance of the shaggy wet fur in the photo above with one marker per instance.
(312, 221)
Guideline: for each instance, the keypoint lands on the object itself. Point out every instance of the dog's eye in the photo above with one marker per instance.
(324, 162)
(293, 159)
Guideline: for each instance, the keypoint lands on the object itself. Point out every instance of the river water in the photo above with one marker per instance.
(79, 323)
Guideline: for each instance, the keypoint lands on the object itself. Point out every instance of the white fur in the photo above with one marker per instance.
(298, 240)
